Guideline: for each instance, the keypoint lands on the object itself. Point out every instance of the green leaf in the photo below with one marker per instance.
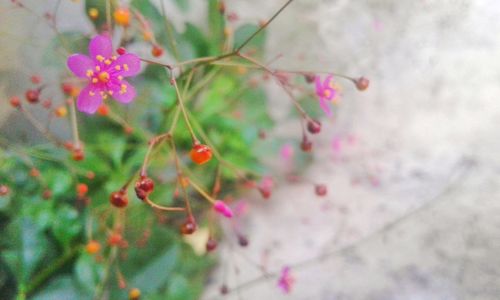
(88, 272)
(66, 225)
(61, 288)
(157, 272)
(182, 4)
(59, 181)
(216, 24)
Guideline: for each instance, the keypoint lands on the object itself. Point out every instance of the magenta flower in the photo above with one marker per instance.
(286, 281)
(223, 209)
(105, 72)
(327, 91)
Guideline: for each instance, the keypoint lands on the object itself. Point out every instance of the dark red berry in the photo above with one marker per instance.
(320, 189)
(265, 192)
(35, 79)
(115, 239)
(4, 190)
(119, 199)
(78, 154)
(224, 289)
(121, 51)
(33, 96)
(306, 145)
(362, 83)
(211, 244)
(188, 227)
(242, 240)
(313, 126)
(47, 194)
(143, 187)
(309, 77)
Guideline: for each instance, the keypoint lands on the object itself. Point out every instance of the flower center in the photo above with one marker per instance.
(103, 77)
(327, 93)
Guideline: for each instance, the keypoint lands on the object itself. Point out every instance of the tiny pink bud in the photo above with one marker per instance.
(223, 209)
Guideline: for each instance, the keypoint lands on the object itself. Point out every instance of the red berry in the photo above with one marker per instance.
(211, 244)
(265, 192)
(115, 239)
(33, 96)
(143, 187)
(309, 77)
(200, 154)
(82, 189)
(36, 79)
(320, 190)
(34, 172)
(119, 199)
(47, 194)
(4, 190)
(157, 51)
(188, 227)
(362, 83)
(121, 51)
(15, 101)
(313, 126)
(306, 145)
(242, 240)
(78, 154)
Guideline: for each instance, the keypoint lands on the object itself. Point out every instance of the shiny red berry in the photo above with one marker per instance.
(313, 126)
(362, 83)
(211, 245)
(119, 199)
(143, 187)
(121, 51)
(200, 154)
(33, 96)
(188, 227)
(320, 190)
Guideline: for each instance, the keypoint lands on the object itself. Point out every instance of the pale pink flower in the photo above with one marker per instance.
(105, 73)
(286, 152)
(327, 92)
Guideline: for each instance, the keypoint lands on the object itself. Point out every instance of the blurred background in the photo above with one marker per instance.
(411, 165)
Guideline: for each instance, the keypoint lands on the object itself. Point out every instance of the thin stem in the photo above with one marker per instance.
(263, 26)
(152, 143)
(180, 178)
(183, 109)
(74, 125)
(202, 192)
(163, 208)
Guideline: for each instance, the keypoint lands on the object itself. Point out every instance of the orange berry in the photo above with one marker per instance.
(184, 182)
(122, 16)
(103, 110)
(93, 13)
(114, 239)
(61, 111)
(147, 35)
(33, 96)
(134, 294)
(93, 247)
(4, 190)
(362, 83)
(157, 51)
(200, 154)
(82, 189)
(34, 172)
(78, 155)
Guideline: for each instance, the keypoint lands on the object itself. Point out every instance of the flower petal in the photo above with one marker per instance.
(101, 45)
(325, 107)
(79, 64)
(89, 100)
(129, 65)
(125, 95)
(319, 86)
(327, 82)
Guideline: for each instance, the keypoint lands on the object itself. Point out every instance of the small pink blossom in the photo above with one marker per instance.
(286, 152)
(223, 209)
(286, 280)
(326, 91)
(105, 73)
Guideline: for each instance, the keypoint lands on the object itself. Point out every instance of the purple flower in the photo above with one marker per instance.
(286, 280)
(326, 90)
(105, 72)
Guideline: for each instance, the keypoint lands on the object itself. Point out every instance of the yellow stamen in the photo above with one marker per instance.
(103, 76)
(125, 66)
(107, 62)
(113, 57)
(120, 77)
(99, 58)
(90, 73)
(94, 80)
(91, 93)
(97, 68)
(118, 68)
(110, 93)
(123, 89)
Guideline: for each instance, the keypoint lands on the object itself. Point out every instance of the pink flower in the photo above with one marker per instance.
(105, 73)
(326, 91)
(286, 152)
(223, 209)
(286, 280)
